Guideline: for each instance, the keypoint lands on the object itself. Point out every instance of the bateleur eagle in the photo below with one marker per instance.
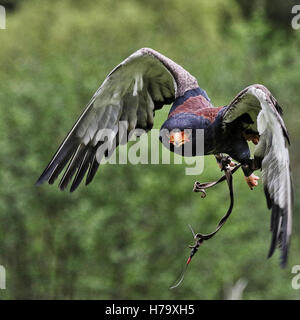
(145, 82)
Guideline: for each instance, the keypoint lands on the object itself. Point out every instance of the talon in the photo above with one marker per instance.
(223, 161)
(231, 164)
(252, 181)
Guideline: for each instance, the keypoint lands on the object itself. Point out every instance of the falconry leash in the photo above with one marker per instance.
(200, 187)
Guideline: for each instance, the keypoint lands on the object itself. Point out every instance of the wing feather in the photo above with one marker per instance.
(272, 149)
(132, 91)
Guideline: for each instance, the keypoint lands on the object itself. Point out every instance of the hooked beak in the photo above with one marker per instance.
(178, 138)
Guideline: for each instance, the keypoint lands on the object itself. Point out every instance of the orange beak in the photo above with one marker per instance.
(178, 138)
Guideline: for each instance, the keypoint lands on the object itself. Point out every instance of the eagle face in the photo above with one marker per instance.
(183, 134)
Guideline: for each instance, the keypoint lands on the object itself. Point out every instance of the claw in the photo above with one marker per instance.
(224, 161)
(231, 164)
(252, 181)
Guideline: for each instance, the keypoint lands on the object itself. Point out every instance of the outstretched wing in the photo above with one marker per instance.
(138, 86)
(272, 150)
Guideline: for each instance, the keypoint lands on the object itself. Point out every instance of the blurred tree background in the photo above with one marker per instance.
(125, 236)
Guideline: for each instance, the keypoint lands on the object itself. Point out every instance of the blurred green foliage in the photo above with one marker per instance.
(125, 236)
